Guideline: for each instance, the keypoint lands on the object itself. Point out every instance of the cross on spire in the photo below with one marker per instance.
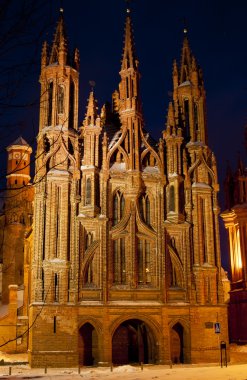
(185, 26)
(128, 5)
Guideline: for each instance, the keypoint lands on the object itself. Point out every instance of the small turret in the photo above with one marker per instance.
(90, 131)
(91, 117)
(44, 55)
(59, 80)
(189, 96)
(170, 116)
(18, 170)
(77, 59)
(175, 74)
(194, 72)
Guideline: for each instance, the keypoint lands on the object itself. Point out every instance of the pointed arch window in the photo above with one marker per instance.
(118, 207)
(143, 262)
(56, 287)
(60, 99)
(58, 220)
(127, 88)
(187, 118)
(203, 229)
(171, 198)
(71, 104)
(122, 203)
(144, 207)
(43, 284)
(89, 274)
(88, 191)
(46, 144)
(119, 268)
(50, 96)
(196, 116)
(147, 210)
(172, 277)
(89, 239)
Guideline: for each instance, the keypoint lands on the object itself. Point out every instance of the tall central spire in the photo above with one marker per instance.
(129, 59)
(186, 59)
(130, 76)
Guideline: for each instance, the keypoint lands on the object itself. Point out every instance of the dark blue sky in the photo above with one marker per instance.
(217, 35)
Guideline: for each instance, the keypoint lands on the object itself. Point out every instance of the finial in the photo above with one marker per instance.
(61, 6)
(128, 9)
(185, 28)
(92, 84)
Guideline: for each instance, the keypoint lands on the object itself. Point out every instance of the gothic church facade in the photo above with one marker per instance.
(123, 259)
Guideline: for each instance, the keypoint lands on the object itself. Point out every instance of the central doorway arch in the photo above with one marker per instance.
(133, 342)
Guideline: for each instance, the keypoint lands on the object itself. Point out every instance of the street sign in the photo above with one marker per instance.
(217, 328)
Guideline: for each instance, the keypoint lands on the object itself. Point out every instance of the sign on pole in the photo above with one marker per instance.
(217, 328)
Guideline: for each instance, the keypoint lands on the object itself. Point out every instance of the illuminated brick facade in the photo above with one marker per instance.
(123, 262)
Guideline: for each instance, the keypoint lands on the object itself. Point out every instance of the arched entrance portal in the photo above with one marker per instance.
(133, 342)
(177, 344)
(88, 345)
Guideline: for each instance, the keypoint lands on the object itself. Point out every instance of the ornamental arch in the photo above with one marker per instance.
(179, 342)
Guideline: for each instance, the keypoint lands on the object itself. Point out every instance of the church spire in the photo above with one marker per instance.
(59, 80)
(189, 95)
(186, 58)
(130, 76)
(129, 59)
(59, 51)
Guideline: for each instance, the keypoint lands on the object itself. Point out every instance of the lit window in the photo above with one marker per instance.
(143, 260)
(119, 269)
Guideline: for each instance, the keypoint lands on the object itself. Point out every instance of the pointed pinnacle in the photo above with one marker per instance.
(129, 58)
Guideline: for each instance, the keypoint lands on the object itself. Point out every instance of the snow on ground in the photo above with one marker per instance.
(236, 370)
(178, 372)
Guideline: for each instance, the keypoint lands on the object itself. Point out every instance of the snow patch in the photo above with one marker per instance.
(118, 166)
(58, 172)
(126, 368)
(151, 170)
(201, 184)
(186, 83)
(83, 167)
(170, 175)
(57, 260)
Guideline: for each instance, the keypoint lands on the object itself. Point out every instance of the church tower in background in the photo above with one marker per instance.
(17, 215)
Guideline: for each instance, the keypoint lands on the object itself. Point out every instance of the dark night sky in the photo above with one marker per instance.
(217, 35)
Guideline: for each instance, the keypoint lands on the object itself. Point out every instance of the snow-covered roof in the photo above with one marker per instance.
(186, 83)
(20, 141)
(118, 166)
